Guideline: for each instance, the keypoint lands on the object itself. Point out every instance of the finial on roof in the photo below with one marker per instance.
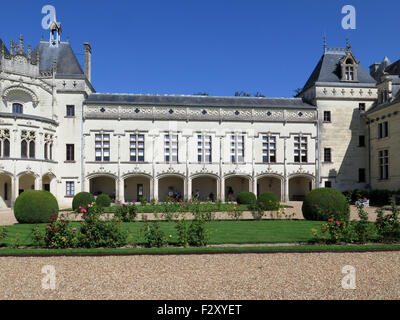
(325, 43)
(29, 52)
(21, 45)
(348, 45)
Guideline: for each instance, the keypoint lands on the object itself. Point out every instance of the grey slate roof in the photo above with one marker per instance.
(186, 100)
(328, 70)
(66, 59)
(394, 68)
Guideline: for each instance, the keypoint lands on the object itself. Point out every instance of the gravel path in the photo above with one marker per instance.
(245, 276)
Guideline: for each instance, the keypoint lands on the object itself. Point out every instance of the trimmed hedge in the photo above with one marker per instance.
(377, 197)
(269, 201)
(246, 198)
(35, 206)
(82, 199)
(103, 200)
(324, 203)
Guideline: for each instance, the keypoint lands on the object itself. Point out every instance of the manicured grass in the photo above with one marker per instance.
(221, 232)
(206, 250)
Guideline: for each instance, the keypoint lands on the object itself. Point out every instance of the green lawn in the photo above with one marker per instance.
(221, 232)
(204, 250)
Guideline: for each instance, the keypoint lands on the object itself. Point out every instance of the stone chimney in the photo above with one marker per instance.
(88, 61)
(373, 68)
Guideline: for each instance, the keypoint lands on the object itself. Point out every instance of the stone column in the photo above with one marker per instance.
(38, 183)
(189, 188)
(222, 189)
(286, 181)
(255, 186)
(155, 188)
(121, 190)
(151, 182)
(14, 190)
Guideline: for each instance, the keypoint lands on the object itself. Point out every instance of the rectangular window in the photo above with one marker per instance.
(136, 147)
(171, 148)
(361, 141)
(204, 149)
(102, 147)
(361, 175)
(237, 149)
(328, 184)
(361, 107)
(384, 164)
(70, 188)
(269, 149)
(327, 116)
(327, 155)
(300, 149)
(383, 130)
(17, 108)
(70, 111)
(70, 152)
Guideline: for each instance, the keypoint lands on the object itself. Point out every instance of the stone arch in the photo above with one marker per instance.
(19, 91)
(171, 184)
(205, 185)
(271, 182)
(299, 184)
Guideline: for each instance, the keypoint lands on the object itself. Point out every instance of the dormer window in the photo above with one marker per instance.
(349, 67)
(349, 74)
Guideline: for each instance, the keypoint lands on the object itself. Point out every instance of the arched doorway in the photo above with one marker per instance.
(171, 184)
(5, 191)
(206, 187)
(299, 186)
(234, 185)
(270, 184)
(103, 184)
(136, 187)
(26, 182)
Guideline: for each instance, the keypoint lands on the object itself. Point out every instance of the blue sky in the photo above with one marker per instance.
(213, 46)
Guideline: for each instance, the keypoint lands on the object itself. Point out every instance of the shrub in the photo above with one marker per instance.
(198, 235)
(324, 203)
(379, 198)
(246, 198)
(103, 200)
(126, 213)
(58, 235)
(153, 235)
(268, 201)
(102, 234)
(82, 199)
(388, 226)
(35, 206)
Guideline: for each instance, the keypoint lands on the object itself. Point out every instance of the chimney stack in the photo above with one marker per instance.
(88, 61)
(373, 68)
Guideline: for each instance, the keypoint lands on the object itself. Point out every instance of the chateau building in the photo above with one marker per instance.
(58, 134)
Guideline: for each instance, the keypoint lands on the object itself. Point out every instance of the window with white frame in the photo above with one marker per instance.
(48, 146)
(204, 148)
(237, 148)
(384, 164)
(102, 145)
(136, 147)
(17, 108)
(28, 144)
(70, 188)
(300, 149)
(269, 149)
(5, 143)
(171, 148)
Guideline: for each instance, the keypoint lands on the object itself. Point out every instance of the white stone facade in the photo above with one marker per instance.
(92, 142)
